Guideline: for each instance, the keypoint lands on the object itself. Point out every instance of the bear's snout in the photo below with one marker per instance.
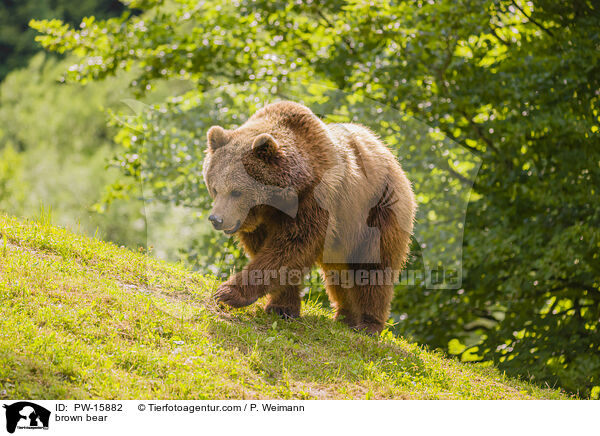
(216, 221)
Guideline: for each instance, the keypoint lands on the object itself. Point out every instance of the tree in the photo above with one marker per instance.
(17, 42)
(54, 146)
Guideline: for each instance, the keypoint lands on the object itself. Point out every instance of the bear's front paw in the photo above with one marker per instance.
(232, 296)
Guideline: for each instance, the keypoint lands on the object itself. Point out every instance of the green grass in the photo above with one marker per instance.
(81, 318)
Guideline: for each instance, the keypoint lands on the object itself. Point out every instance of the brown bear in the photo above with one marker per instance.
(297, 192)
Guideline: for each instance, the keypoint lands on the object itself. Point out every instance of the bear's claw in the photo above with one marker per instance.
(371, 329)
(283, 311)
(232, 296)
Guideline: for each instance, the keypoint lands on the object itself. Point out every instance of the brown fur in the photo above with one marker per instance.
(308, 193)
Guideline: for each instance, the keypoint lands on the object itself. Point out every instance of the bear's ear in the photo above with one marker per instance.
(266, 147)
(217, 137)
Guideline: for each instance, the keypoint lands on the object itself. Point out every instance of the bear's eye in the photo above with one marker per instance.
(236, 194)
(214, 191)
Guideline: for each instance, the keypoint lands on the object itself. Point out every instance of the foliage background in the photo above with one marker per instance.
(515, 83)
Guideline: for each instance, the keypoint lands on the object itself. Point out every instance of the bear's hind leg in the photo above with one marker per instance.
(374, 297)
(285, 302)
(374, 304)
(343, 302)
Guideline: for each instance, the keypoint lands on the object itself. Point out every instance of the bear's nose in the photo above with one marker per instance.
(216, 221)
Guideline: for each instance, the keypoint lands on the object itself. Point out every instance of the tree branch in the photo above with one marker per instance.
(498, 37)
(459, 176)
(331, 26)
(531, 20)
(478, 131)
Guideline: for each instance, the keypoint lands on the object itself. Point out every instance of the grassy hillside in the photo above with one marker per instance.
(80, 318)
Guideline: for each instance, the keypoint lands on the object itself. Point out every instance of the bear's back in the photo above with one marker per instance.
(371, 169)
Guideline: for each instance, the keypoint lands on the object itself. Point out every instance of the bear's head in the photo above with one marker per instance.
(249, 172)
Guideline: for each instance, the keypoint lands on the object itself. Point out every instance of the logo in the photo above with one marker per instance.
(26, 415)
